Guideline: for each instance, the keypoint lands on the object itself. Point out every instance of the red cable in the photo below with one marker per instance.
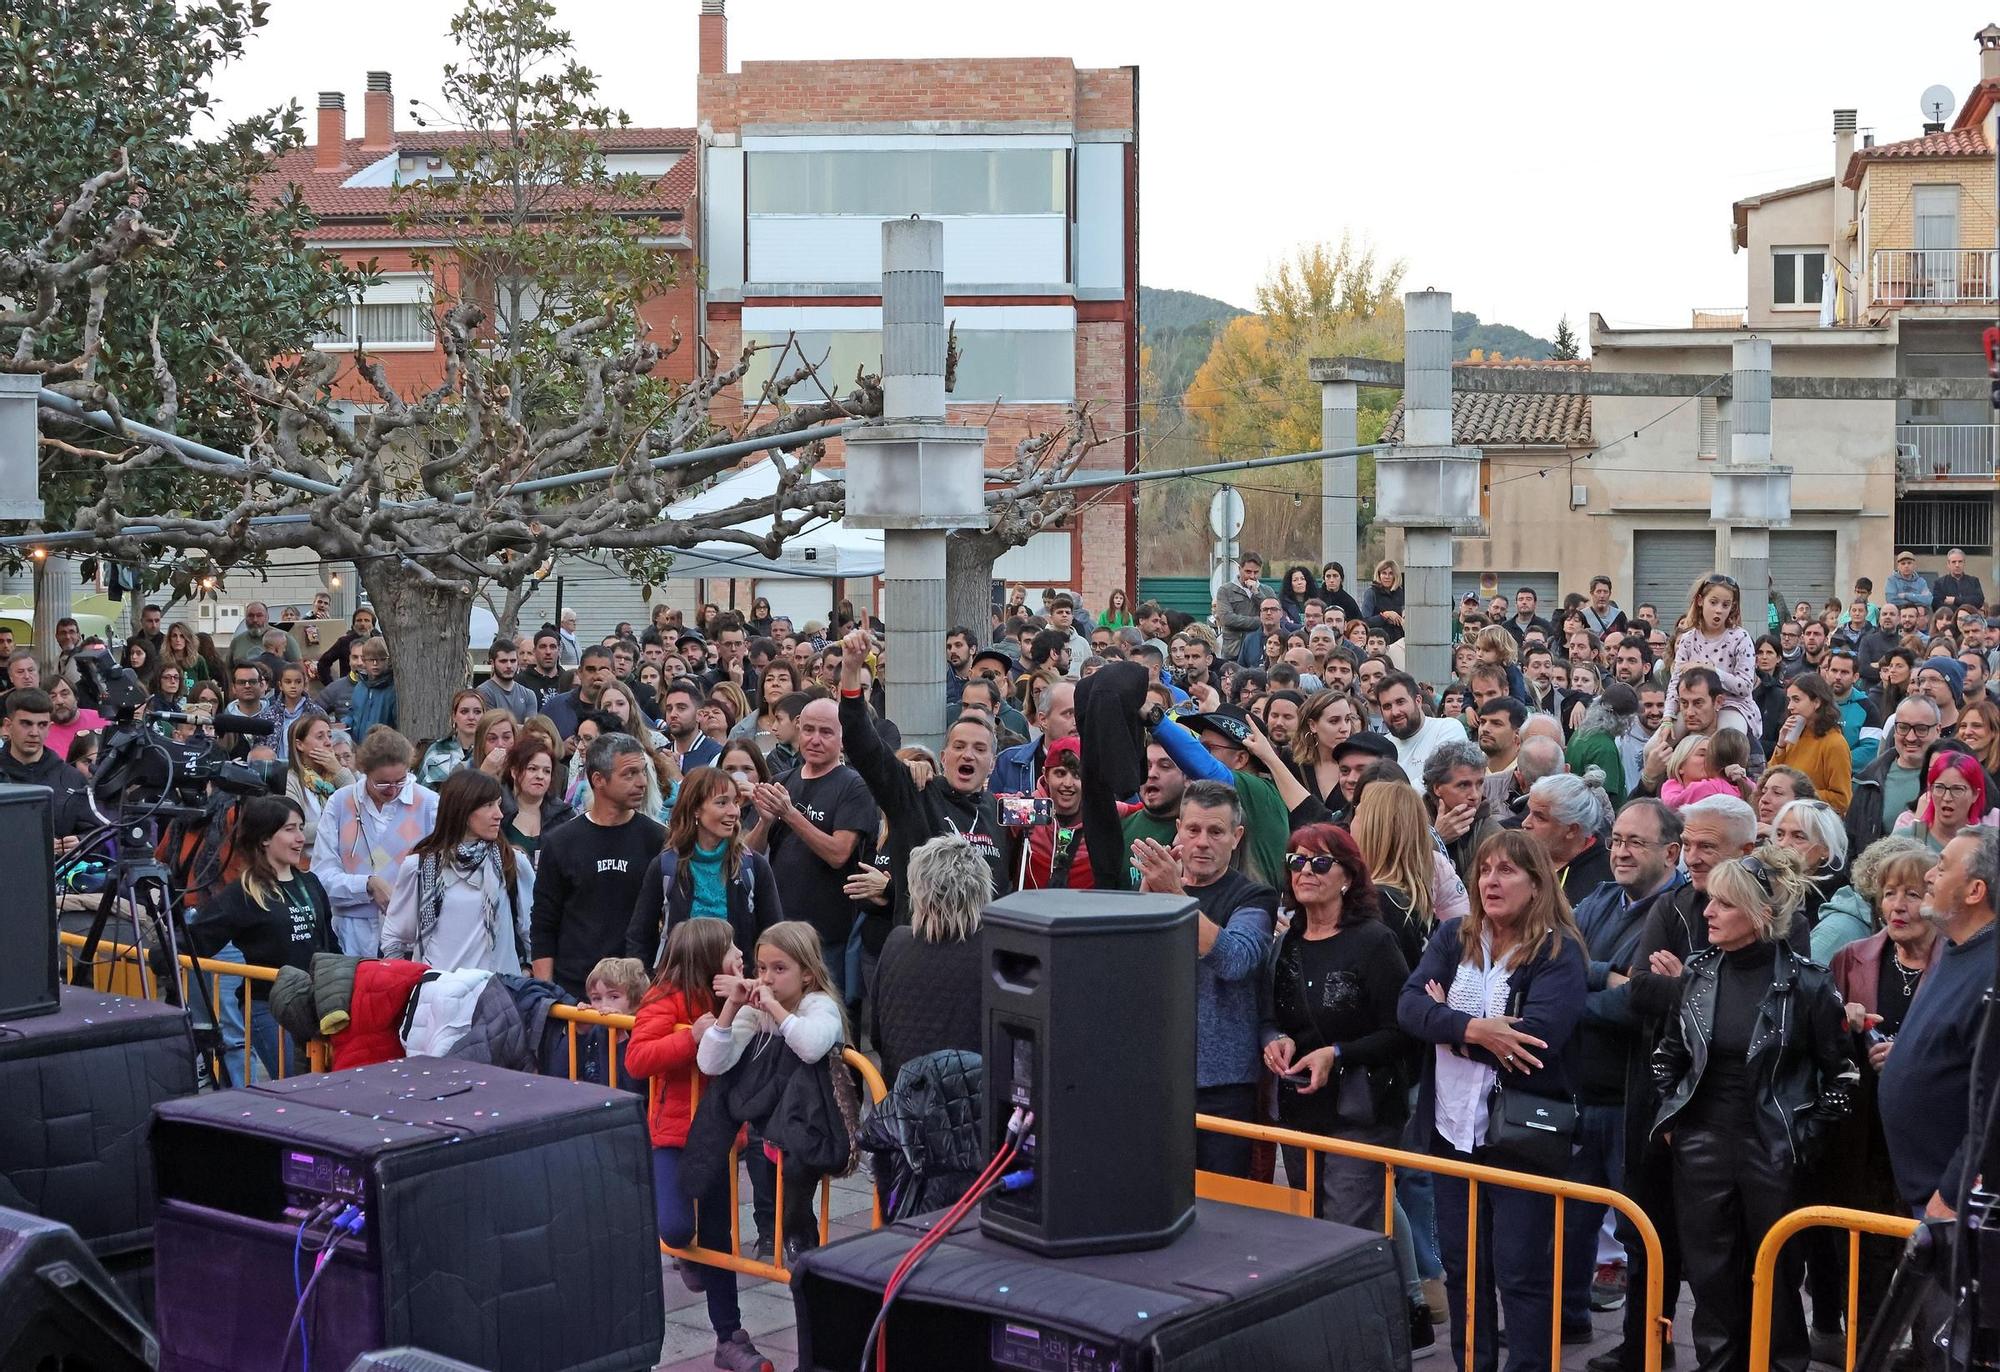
(937, 1234)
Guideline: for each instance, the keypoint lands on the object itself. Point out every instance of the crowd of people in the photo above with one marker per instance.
(1717, 904)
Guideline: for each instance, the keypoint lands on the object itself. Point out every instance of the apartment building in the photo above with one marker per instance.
(1031, 163)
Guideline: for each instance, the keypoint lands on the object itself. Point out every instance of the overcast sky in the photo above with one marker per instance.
(1535, 159)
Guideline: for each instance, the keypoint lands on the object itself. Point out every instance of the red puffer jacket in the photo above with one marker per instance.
(661, 1045)
(381, 994)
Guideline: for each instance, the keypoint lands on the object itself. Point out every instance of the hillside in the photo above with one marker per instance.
(1179, 326)
(1498, 340)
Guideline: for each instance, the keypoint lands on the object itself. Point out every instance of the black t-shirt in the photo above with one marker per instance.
(807, 887)
(296, 923)
(585, 887)
(1893, 991)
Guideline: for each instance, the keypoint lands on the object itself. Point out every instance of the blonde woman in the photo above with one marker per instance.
(313, 773)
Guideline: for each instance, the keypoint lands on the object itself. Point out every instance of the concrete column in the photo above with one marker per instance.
(1427, 558)
(55, 583)
(1752, 496)
(1750, 403)
(1749, 561)
(913, 592)
(1340, 479)
(913, 332)
(1427, 369)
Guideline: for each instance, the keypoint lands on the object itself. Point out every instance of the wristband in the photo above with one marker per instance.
(854, 694)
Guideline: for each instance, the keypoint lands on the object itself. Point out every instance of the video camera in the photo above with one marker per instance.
(139, 766)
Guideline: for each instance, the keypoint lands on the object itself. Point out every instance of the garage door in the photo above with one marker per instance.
(1665, 565)
(1802, 566)
(1486, 585)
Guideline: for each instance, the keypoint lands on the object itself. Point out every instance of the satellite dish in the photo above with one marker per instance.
(1936, 103)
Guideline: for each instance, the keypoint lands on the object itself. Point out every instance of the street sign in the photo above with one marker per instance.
(1225, 513)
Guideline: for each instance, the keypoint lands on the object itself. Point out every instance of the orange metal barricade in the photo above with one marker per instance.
(1764, 1276)
(1211, 1186)
(121, 969)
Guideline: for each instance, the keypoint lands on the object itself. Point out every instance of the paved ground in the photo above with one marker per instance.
(767, 1307)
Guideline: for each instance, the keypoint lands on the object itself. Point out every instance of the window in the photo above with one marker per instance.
(909, 181)
(395, 312)
(1934, 524)
(1014, 365)
(1714, 438)
(1796, 276)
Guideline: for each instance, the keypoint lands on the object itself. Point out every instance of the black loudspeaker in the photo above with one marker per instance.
(408, 1360)
(28, 974)
(59, 1309)
(500, 1218)
(1089, 1010)
(1241, 1289)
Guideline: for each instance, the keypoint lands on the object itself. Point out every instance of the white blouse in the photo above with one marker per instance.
(1461, 1086)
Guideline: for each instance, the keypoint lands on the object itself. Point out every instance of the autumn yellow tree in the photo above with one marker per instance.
(1254, 394)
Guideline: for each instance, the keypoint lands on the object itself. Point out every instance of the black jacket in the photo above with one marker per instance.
(928, 1135)
(1798, 1055)
(666, 898)
(790, 1099)
(74, 815)
(1587, 871)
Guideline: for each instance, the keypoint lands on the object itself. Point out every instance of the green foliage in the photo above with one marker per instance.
(1497, 341)
(78, 84)
(1179, 327)
(1566, 348)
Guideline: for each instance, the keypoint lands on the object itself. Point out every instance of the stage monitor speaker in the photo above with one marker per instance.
(1089, 1012)
(59, 1308)
(408, 1360)
(504, 1219)
(28, 973)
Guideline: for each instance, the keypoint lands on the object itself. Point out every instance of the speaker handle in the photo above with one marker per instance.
(1020, 973)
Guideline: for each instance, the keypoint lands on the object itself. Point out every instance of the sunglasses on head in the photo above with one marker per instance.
(1319, 864)
(1720, 580)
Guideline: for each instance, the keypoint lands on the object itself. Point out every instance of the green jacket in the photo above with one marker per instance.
(1599, 749)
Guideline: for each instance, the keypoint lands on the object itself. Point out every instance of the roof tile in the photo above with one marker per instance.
(1950, 143)
(1482, 419)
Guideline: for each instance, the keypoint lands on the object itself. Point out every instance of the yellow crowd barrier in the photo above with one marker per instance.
(1266, 1195)
(1764, 1276)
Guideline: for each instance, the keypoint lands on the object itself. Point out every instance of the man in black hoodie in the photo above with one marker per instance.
(954, 802)
(27, 762)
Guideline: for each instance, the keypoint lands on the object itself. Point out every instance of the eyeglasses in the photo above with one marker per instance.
(1319, 864)
(1917, 729)
(1637, 845)
(1950, 791)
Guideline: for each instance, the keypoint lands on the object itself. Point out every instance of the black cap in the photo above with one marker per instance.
(1227, 720)
(1006, 662)
(1375, 745)
(689, 636)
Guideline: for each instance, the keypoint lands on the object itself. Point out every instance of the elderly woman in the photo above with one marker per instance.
(1811, 829)
(1497, 995)
(1754, 1072)
(1876, 977)
(928, 976)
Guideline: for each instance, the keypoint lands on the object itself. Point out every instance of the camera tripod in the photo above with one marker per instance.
(145, 887)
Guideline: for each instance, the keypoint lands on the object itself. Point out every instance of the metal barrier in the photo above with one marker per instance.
(1764, 1276)
(1266, 1195)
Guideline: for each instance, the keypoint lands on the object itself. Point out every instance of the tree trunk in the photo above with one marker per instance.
(969, 555)
(428, 629)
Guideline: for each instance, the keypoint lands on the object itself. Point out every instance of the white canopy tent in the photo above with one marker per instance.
(821, 552)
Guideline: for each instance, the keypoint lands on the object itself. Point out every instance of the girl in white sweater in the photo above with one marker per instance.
(1715, 638)
(791, 1001)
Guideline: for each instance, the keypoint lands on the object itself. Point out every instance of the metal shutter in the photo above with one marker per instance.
(1802, 566)
(1665, 565)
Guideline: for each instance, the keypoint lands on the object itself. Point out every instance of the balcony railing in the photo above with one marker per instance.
(1932, 276)
(1720, 316)
(1944, 451)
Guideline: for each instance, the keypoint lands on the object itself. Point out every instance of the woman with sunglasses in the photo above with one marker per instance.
(1330, 1033)
(1754, 1073)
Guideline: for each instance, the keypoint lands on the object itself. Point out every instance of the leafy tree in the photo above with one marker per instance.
(1254, 394)
(1566, 348)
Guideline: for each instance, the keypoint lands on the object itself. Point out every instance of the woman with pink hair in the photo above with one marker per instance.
(1954, 799)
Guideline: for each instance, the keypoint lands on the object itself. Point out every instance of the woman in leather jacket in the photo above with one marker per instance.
(1754, 1070)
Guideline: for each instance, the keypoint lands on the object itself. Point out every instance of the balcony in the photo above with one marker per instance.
(1946, 452)
(1931, 276)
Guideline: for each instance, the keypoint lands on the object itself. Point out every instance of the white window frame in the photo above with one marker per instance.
(391, 288)
(1792, 259)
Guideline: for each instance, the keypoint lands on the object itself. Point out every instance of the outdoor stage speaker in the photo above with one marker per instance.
(1089, 1011)
(408, 1360)
(28, 911)
(58, 1307)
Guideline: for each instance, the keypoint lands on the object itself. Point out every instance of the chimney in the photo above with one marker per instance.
(1989, 52)
(713, 44)
(330, 154)
(378, 117)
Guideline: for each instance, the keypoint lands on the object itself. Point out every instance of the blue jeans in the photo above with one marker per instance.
(1599, 1160)
(228, 992)
(681, 1219)
(358, 934)
(1418, 1200)
(1516, 1245)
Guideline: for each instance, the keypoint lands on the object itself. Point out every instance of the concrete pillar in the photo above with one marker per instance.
(1427, 625)
(914, 476)
(55, 583)
(1427, 369)
(1427, 486)
(1339, 479)
(1751, 495)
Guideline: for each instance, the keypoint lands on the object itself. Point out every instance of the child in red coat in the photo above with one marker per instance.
(671, 1020)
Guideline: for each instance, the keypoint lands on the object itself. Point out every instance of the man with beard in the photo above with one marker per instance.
(1860, 721)
(680, 701)
(1233, 932)
(1500, 724)
(955, 801)
(545, 676)
(1352, 757)
(1281, 718)
(67, 720)
(1016, 771)
(1453, 785)
(1699, 690)
(958, 648)
(593, 674)
(1645, 860)
(1538, 669)
(1633, 662)
(504, 690)
(1416, 735)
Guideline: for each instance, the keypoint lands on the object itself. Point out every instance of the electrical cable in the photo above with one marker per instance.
(982, 1186)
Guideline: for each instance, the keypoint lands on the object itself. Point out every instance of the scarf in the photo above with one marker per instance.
(476, 863)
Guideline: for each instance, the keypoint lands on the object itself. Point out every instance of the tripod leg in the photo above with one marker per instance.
(83, 970)
(151, 895)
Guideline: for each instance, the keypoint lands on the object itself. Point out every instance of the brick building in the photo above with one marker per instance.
(1032, 164)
